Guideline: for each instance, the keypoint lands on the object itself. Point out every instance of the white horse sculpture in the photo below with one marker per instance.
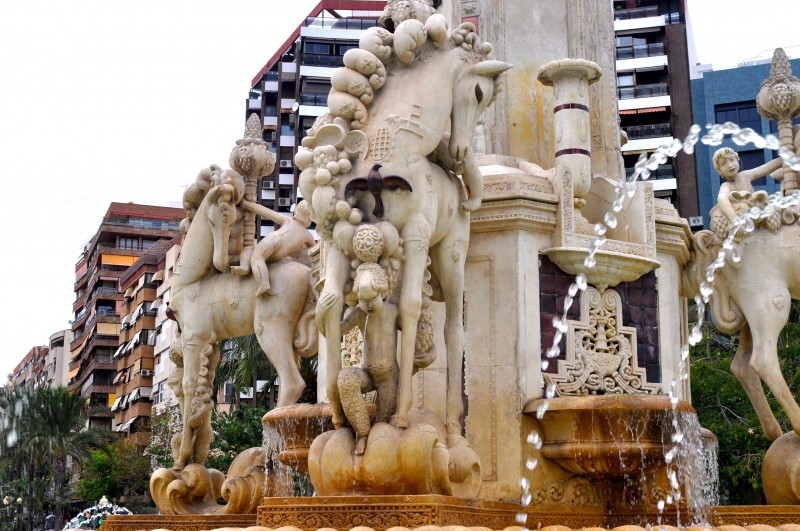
(210, 304)
(403, 174)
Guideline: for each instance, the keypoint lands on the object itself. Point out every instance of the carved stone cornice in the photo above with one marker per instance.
(674, 237)
(514, 214)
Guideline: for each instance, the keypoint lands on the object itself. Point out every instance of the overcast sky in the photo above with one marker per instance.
(104, 100)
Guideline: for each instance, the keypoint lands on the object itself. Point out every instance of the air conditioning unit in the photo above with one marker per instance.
(273, 136)
(695, 221)
(286, 164)
(284, 201)
(147, 372)
(268, 185)
(292, 119)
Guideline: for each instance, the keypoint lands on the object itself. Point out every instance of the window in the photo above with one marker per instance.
(318, 48)
(744, 114)
(128, 243)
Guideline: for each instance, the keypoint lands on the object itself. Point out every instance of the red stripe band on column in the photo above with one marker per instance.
(564, 106)
(573, 151)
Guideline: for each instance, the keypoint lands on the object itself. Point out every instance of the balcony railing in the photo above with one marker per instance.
(326, 61)
(310, 98)
(643, 91)
(648, 131)
(341, 23)
(636, 12)
(641, 50)
(644, 12)
(144, 224)
(665, 171)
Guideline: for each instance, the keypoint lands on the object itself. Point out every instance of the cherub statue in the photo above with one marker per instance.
(291, 238)
(736, 195)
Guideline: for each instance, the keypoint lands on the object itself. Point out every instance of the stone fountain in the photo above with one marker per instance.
(499, 312)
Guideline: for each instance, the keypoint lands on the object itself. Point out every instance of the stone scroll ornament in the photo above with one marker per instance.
(391, 192)
(215, 296)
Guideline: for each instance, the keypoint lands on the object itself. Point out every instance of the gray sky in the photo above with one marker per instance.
(111, 100)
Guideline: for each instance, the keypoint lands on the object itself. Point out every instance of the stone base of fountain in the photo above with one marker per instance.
(384, 512)
(193, 522)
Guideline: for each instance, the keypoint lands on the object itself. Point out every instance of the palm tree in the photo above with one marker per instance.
(55, 423)
(245, 363)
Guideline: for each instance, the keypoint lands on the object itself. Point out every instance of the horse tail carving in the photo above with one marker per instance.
(305, 332)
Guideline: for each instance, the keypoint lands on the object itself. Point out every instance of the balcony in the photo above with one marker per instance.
(636, 12)
(636, 132)
(641, 50)
(254, 104)
(270, 86)
(287, 103)
(312, 98)
(639, 18)
(643, 96)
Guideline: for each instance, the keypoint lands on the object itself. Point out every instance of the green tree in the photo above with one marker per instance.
(121, 469)
(234, 433)
(244, 363)
(723, 407)
(165, 423)
(55, 423)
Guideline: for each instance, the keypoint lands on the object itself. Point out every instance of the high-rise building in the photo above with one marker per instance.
(163, 397)
(654, 93)
(291, 89)
(135, 356)
(126, 232)
(58, 358)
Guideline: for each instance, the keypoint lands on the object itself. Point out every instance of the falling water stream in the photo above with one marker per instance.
(690, 462)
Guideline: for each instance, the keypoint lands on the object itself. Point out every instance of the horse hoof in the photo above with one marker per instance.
(399, 421)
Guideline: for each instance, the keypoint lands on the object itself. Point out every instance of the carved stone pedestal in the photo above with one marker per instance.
(383, 512)
(185, 522)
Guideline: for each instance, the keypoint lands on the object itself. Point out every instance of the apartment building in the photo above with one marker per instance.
(125, 233)
(291, 89)
(163, 397)
(58, 358)
(654, 96)
(135, 356)
(32, 370)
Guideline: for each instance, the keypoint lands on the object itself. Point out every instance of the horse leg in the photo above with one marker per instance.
(448, 259)
(195, 383)
(329, 314)
(277, 343)
(415, 250)
(740, 367)
(765, 330)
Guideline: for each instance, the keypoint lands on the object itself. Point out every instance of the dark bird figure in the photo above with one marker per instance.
(375, 184)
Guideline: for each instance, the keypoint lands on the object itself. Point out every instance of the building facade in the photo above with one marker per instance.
(135, 356)
(126, 232)
(291, 89)
(32, 370)
(654, 93)
(721, 96)
(58, 358)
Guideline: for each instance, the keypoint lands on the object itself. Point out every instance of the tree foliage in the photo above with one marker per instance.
(723, 407)
(40, 429)
(122, 469)
(234, 433)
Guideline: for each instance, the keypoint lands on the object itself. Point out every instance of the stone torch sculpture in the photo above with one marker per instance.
(570, 79)
(779, 99)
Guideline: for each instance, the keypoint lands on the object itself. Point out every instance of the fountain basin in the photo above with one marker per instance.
(607, 436)
(611, 267)
(297, 426)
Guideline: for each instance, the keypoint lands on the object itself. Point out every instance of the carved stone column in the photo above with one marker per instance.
(570, 79)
